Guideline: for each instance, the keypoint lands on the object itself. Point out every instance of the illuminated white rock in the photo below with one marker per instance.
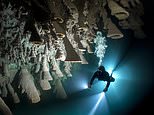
(59, 90)
(67, 68)
(45, 70)
(13, 93)
(116, 10)
(28, 86)
(4, 108)
(45, 85)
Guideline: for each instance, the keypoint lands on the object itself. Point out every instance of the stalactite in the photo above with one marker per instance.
(45, 70)
(113, 31)
(28, 86)
(45, 85)
(117, 10)
(4, 90)
(38, 64)
(4, 108)
(83, 59)
(56, 68)
(13, 93)
(59, 90)
(67, 69)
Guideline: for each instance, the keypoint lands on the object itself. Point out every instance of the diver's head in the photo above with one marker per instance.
(101, 68)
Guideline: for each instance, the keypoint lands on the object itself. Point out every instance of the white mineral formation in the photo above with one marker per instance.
(45, 70)
(83, 59)
(44, 52)
(56, 68)
(59, 89)
(4, 108)
(113, 31)
(67, 68)
(28, 86)
(116, 10)
(38, 64)
(4, 90)
(13, 93)
(45, 85)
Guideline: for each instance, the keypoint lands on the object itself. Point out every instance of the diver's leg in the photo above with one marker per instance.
(108, 84)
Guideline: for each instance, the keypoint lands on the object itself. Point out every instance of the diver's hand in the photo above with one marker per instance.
(105, 89)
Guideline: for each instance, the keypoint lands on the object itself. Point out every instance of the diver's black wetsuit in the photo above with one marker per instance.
(102, 75)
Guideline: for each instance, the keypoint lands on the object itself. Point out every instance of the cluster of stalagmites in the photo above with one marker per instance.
(42, 52)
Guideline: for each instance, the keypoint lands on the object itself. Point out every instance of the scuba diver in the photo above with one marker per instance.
(102, 75)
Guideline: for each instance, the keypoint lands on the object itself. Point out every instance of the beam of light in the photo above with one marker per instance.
(102, 95)
(122, 77)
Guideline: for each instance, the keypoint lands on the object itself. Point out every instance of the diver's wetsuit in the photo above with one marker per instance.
(101, 75)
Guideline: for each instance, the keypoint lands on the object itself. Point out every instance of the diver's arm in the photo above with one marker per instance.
(92, 79)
